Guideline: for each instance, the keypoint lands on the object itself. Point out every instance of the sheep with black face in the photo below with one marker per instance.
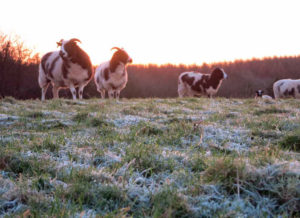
(111, 76)
(68, 68)
(194, 83)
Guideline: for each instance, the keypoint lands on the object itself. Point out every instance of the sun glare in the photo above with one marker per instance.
(160, 31)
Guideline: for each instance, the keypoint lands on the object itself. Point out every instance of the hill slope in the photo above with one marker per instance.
(150, 157)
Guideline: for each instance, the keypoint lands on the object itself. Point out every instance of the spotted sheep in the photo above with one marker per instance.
(111, 76)
(287, 88)
(195, 84)
(259, 94)
(70, 67)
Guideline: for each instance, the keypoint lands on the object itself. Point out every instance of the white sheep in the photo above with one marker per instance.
(111, 76)
(287, 88)
(194, 83)
(68, 68)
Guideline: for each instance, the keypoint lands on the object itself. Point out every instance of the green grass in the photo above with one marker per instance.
(168, 203)
(37, 114)
(149, 158)
(291, 141)
(30, 166)
(271, 110)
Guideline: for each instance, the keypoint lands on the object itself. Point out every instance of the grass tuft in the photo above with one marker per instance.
(103, 198)
(80, 117)
(36, 114)
(9, 99)
(168, 203)
(147, 157)
(291, 141)
(223, 171)
(27, 166)
(272, 110)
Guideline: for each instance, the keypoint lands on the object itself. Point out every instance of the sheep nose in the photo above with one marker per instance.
(61, 54)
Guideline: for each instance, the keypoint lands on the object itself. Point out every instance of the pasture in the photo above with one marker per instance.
(192, 157)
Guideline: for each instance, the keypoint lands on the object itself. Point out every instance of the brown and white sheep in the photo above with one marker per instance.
(111, 76)
(194, 83)
(68, 68)
(287, 88)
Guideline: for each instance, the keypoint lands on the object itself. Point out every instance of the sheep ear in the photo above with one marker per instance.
(59, 43)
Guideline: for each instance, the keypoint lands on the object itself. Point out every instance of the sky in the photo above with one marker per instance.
(159, 31)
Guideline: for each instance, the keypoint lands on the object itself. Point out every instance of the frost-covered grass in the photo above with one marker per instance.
(194, 157)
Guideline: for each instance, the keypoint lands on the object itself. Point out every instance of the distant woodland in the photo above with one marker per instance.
(19, 73)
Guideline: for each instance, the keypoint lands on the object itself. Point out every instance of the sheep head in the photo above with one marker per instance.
(259, 93)
(218, 74)
(121, 55)
(70, 51)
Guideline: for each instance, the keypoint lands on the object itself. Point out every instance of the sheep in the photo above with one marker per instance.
(111, 75)
(194, 83)
(68, 68)
(287, 88)
(259, 94)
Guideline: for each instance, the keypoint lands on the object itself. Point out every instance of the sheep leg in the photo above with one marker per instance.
(111, 94)
(73, 91)
(117, 94)
(44, 90)
(182, 92)
(102, 92)
(55, 90)
(80, 91)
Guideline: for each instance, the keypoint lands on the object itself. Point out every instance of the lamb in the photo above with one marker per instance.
(111, 75)
(68, 68)
(287, 88)
(259, 94)
(194, 83)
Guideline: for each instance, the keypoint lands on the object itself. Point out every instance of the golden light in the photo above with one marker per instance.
(160, 31)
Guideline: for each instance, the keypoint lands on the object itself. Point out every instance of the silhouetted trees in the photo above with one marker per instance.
(18, 69)
(19, 73)
(244, 77)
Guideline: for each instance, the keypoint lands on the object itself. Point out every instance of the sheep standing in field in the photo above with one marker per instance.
(68, 68)
(287, 88)
(111, 76)
(259, 94)
(194, 84)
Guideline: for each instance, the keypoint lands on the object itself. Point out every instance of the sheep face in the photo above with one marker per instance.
(67, 47)
(120, 56)
(218, 74)
(70, 51)
(259, 93)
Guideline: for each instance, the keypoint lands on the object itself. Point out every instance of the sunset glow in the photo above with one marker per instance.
(159, 32)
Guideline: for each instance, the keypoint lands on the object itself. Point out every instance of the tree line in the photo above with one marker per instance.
(19, 73)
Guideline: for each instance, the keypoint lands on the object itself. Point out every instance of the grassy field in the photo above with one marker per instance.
(150, 158)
